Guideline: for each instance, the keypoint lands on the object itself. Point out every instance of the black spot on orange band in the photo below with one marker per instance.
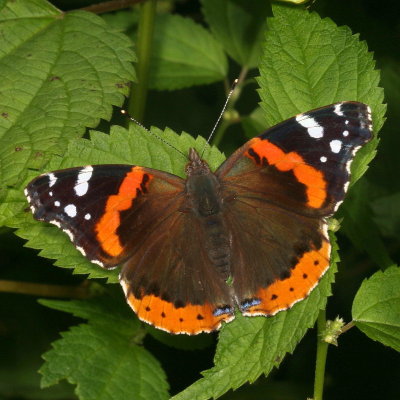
(263, 149)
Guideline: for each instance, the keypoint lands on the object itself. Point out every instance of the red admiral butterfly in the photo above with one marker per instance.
(252, 235)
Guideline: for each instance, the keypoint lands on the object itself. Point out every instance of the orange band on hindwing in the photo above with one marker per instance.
(106, 228)
(190, 319)
(283, 294)
(292, 161)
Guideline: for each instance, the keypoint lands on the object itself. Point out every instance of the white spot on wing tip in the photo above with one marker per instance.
(57, 203)
(313, 128)
(52, 179)
(82, 186)
(336, 146)
(346, 133)
(70, 210)
(323, 159)
(338, 109)
(87, 216)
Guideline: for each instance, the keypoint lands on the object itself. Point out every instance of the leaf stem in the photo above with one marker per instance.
(348, 326)
(108, 6)
(137, 100)
(45, 290)
(322, 351)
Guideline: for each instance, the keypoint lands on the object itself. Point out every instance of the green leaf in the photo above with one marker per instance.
(239, 26)
(376, 307)
(136, 147)
(255, 123)
(102, 358)
(61, 73)
(309, 62)
(184, 54)
(251, 346)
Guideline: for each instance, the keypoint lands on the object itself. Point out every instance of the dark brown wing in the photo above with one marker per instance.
(169, 280)
(121, 213)
(88, 203)
(278, 188)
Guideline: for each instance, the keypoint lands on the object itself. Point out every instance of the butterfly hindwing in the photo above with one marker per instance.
(170, 282)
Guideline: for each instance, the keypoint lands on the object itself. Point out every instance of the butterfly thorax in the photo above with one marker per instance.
(202, 187)
(206, 204)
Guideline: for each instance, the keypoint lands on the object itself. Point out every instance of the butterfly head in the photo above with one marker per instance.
(196, 166)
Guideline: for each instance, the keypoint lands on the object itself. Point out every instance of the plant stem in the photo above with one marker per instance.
(45, 290)
(137, 100)
(322, 351)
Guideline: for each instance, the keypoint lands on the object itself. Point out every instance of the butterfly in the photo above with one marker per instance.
(250, 236)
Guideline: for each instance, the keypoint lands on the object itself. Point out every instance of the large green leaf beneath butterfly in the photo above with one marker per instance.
(60, 74)
(104, 358)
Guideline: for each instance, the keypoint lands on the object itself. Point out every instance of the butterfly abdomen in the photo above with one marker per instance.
(218, 244)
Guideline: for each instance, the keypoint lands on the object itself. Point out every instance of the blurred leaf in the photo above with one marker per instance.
(60, 74)
(376, 307)
(184, 54)
(359, 226)
(239, 26)
(124, 20)
(387, 214)
(102, 357)
(309, 62)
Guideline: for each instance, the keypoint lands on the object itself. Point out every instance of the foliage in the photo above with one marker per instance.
(64, 71)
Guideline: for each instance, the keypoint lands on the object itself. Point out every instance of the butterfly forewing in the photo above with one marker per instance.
(87, 204)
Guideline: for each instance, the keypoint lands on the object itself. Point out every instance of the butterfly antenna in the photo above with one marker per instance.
(152, 133)
(235, 82)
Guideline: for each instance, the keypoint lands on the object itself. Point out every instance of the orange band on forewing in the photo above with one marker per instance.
(305, 174)
(191, 319)
(106, 228)
(283, 294)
